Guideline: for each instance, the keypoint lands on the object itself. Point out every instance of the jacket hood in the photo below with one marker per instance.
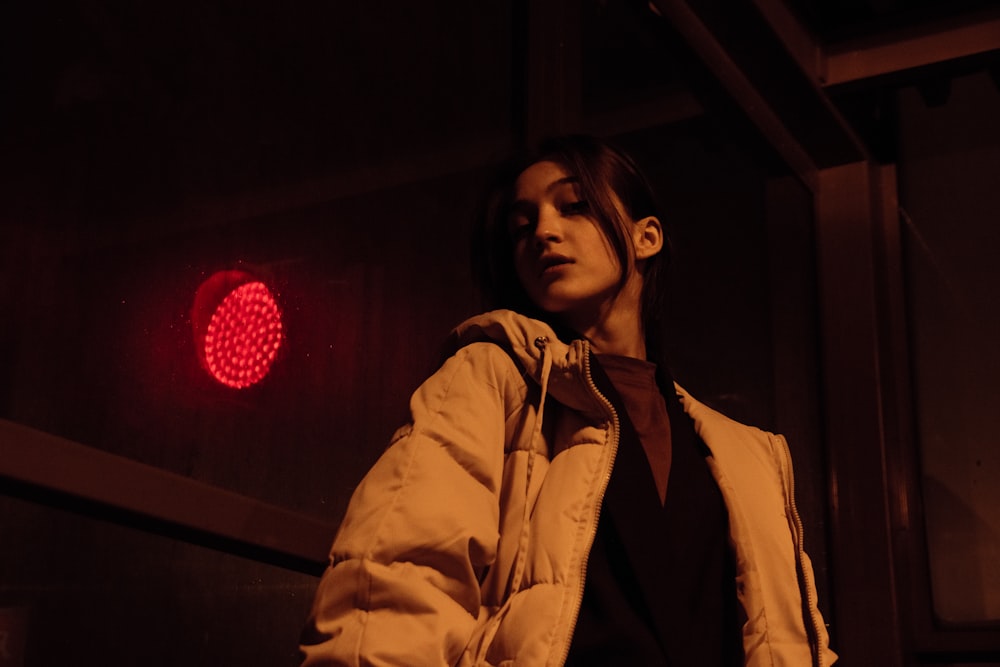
(529, 341)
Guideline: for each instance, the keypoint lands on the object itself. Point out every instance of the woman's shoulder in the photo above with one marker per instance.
(717, 428)
(505, 326)
(505, 332)
(486, 353)
(486, 362)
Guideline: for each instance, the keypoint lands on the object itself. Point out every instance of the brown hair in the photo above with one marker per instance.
(607, 175)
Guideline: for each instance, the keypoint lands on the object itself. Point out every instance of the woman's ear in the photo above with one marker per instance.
(647, 237)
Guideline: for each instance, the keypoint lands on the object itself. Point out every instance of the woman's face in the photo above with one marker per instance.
(562, 258)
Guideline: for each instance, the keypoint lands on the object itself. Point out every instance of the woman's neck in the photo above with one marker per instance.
(617, 328)
(614, 337)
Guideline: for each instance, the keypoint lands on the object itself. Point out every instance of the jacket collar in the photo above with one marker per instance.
(529, 341)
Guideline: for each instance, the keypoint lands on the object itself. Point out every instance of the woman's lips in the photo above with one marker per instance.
(550, 263)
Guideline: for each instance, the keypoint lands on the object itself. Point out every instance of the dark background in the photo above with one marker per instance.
(336, 150)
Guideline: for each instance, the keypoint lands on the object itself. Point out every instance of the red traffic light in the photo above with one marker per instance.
(238, 328)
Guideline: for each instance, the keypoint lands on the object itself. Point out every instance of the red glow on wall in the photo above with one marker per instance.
(238, 328)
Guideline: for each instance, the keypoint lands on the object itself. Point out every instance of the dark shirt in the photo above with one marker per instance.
(660, 587)
(635, 382)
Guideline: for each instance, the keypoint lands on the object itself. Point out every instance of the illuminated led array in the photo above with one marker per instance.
(243, 336)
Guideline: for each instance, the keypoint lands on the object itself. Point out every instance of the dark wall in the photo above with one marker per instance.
(370, 285)
(145, 151)
(104, 350)
(101, 350)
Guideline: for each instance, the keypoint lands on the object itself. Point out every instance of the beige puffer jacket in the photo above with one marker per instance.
(467, 542)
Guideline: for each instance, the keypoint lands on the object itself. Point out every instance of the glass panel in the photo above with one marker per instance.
(950, 158)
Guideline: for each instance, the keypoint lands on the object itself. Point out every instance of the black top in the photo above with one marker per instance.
(660, 587)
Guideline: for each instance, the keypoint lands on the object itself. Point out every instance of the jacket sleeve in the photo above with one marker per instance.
(421, 528)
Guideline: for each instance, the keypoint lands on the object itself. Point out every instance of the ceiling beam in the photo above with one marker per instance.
(801, 44)
(907, 49)
(786, 103)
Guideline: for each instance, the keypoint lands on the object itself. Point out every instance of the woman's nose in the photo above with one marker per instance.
(549, 228)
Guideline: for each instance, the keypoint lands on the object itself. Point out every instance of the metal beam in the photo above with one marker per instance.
(853, 202)
(786, 103)
(72, 476)
(902, 50)
(800, 43)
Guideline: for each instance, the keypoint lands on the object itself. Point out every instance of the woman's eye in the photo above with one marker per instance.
(520, 229)
(575, 208)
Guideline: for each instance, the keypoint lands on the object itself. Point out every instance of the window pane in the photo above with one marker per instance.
(950, 158)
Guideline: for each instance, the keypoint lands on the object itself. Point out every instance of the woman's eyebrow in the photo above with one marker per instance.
(565, 180)
(523, 205)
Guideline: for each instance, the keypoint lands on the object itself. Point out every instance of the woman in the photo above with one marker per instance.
(556, 498)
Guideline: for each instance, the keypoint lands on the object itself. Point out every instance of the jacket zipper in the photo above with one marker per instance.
(800, 549)
(616, 426)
